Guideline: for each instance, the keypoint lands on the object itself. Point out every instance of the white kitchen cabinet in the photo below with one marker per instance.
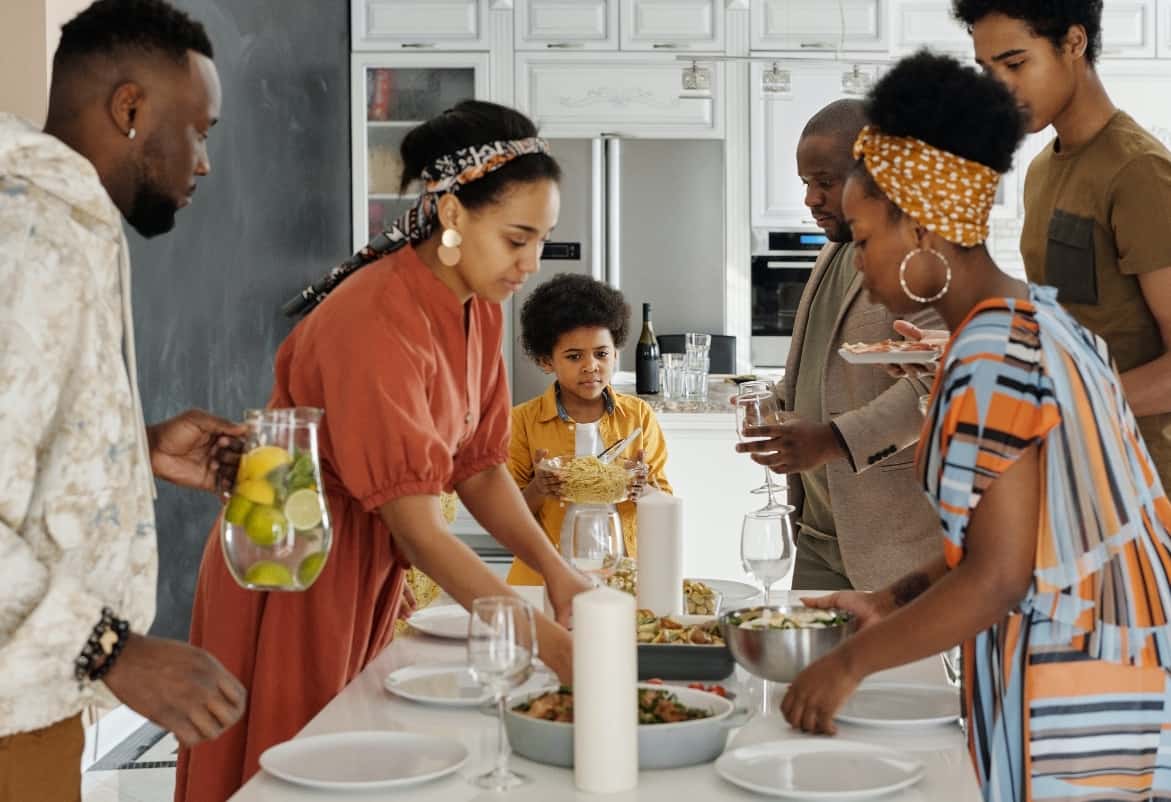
(625, 94)
(685, 25)
(1163, 24)
(391, 93)
(1128, 29)
(419, 24)
(778, 196)
(1140, 89)
(929, 23)
(819, 25)
(566, 24)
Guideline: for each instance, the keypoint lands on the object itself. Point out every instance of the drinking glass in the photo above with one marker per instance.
(502, 640)
(596, 541)
(757, 405)
(697, 362)
(766, 546)
(673, 373)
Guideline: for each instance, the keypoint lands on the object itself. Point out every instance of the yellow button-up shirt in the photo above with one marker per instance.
(539, 424)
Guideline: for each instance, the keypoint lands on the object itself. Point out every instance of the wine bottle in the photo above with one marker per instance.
(646, 357)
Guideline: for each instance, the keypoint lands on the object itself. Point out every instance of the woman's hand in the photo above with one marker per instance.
(819, 692)
(936, 337)
(563, 582)
(866, 607)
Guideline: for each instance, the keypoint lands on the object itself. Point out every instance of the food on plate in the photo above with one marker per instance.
(891, 347)
(656, 629)
(700, 598)
(801, 618)
(654, 707)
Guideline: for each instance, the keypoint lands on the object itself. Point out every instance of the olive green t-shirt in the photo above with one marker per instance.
(1096, 217)
(825, 308)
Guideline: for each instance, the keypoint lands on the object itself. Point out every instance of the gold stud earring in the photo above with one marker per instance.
(449, 247)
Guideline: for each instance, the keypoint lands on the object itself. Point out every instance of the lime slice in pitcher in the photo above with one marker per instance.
(237, 510)
(303, 509)
(268, 574)
(310, 567)
(265, 526)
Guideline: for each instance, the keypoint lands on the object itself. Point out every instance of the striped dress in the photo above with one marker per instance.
(1069, 697)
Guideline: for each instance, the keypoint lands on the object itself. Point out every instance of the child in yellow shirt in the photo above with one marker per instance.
(573, 327)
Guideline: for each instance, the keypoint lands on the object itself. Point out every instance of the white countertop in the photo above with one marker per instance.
(365, 705)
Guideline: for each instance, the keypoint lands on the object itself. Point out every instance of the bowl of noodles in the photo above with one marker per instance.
(588, 480)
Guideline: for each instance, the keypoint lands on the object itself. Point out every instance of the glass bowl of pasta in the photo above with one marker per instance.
(588, 480)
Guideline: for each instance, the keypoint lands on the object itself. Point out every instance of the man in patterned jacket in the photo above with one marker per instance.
(133, 96)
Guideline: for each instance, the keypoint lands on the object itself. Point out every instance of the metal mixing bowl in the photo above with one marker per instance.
(779, 655)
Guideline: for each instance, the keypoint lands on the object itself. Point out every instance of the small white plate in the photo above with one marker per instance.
(733, 594)
(447, 621)
(819, 768)
(901, 705)
(352, 761)
(451, 684)
(889, 357)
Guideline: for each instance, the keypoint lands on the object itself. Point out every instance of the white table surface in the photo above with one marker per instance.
(366, 705)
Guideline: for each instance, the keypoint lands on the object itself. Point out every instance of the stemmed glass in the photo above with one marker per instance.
(756, 405)
(766, 546)
(502, 640)
(596, 541)
(766, 552)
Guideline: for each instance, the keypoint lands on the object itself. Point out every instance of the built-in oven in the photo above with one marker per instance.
(782, 262)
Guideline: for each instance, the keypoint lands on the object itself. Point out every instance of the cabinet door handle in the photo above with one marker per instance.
(418, 45)
(563, 45)
(816, 46)
(666, 46)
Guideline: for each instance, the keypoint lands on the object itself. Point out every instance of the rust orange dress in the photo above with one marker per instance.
(415, 396)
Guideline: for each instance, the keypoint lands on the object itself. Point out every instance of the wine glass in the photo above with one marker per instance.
(596, 541)
(502, 639)
(766, 546)
(756, 405)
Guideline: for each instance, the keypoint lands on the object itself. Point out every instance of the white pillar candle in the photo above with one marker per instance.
(660, 554)
(605, 695)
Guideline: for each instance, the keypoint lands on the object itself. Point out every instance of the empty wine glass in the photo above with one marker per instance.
(757, 405)
(502, 640)
(596, 541)
(953, 667)
(766, 546)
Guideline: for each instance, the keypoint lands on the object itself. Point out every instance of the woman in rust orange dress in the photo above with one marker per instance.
(404, 356)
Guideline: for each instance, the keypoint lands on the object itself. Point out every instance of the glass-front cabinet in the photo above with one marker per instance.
(392, 93)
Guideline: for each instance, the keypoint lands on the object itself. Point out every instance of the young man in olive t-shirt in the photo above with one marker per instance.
(1097, 222)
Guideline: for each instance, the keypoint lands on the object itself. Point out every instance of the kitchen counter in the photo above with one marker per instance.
(365, 705)
(720, 392)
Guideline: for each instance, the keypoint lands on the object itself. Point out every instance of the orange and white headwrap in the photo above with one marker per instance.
(944, 193)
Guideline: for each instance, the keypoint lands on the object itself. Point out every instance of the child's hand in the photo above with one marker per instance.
(546, 483)
(638, 481)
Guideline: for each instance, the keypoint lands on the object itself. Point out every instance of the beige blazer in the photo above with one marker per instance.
(885, 525)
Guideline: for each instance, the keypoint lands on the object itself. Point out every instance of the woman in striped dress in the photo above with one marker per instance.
(1057, 553)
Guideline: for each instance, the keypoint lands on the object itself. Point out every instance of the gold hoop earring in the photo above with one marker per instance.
(903, 276)
(449, 247)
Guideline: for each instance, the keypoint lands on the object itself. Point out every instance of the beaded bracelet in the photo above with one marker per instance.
(94, 649)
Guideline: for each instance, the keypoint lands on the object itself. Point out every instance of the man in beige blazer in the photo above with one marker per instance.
(862, 519)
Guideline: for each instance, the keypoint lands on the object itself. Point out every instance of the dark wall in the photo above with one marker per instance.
(274, 212)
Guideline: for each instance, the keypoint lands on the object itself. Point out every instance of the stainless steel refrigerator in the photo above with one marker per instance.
(648, 216)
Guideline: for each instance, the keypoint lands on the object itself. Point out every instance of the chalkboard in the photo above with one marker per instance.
(273, 213)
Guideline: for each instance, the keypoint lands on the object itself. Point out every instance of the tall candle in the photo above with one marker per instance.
(660, 554)
(605, 695)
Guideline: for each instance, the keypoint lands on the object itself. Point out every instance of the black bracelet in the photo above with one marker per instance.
(83, 666)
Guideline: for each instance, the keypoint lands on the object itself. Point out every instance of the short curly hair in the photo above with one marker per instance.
(1048, 18)
(115, 27)
(566, 302)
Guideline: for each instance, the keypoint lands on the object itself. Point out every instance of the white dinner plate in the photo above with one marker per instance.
(447, 621)
(901, 705)
(352, 761)
(819, 768)
(889, 357)
(733, 594)
(452, 685)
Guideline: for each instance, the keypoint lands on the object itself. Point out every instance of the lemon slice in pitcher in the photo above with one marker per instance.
(260, 462)
(303, 509)
(268, 574)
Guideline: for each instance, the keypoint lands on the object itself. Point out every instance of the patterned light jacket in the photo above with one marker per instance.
(77, 525)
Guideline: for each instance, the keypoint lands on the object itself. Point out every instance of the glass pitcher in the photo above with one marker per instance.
(275, 528)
